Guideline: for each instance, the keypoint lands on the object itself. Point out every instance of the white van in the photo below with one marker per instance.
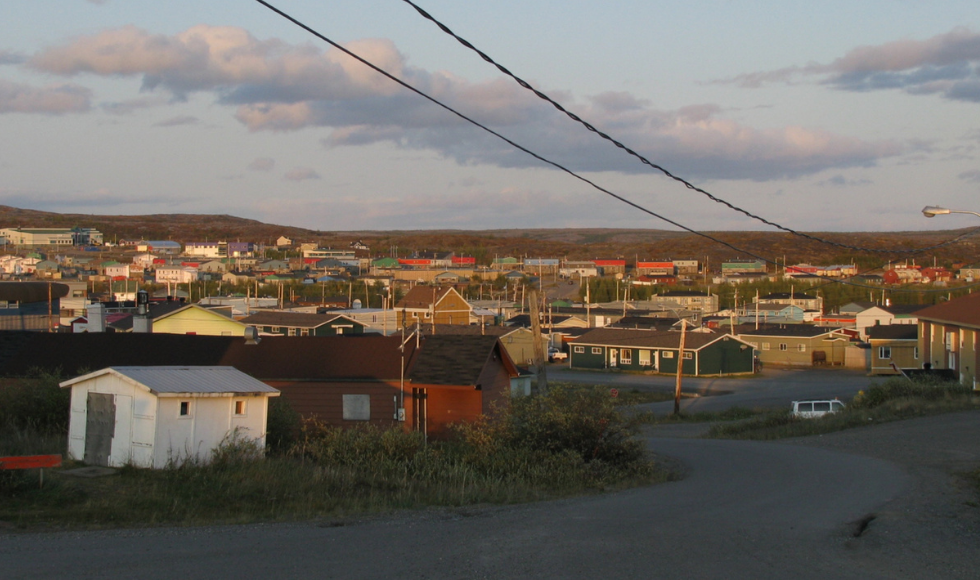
(816, 408)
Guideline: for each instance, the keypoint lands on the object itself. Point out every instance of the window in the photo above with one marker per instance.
(667, 354)
(357, 407)
(578, 349)
(626, 356)
(304, 332)
(596, 350)
(915, 352)
(801, 347)
(688, 355)
(275, 329)
(185, 408)
(241, 407)
(291, 332)
(885, 352)
(644, 358)
(765, 346)
(783, 346)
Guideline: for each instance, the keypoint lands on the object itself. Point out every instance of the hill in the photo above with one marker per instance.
(578, 243)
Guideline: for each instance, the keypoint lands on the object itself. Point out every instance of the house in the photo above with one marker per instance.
(885, 314)
(769, 313)
(948, 336)
(893, 347)
(798, 344)
(684, 300)
(31, 305)
(175, 274)
(705, 354)
(435, 305)
(155, 416)
(423, 384)
(302, 324)
(804, 301)
(283, 242)
(517, 341)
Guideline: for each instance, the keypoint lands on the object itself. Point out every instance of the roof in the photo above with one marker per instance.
(792, 330)
(648, 338)
(893, 332)
(788, 296)
(467, 330)
(456, 360)
(962, 311)
(31, 291)
(161, 380)
(290, 319)
(423, 296)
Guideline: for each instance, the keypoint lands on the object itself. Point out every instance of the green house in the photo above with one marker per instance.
(303, 324)
(705, 354)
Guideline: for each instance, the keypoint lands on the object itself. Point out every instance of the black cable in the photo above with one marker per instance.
(660, 168)
(509, 141)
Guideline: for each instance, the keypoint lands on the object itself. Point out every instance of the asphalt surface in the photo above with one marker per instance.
(750, 510)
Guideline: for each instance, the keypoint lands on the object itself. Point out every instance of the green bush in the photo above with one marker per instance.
(36, 403)
(283, 426)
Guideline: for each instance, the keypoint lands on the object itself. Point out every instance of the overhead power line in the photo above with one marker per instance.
(512, 143)
(660, 168)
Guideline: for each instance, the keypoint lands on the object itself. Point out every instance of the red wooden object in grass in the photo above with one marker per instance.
(30, 462)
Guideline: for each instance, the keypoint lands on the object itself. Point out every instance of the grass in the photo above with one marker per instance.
(892, 400)
(573, 441)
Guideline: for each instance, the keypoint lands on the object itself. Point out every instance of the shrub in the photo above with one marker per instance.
(283, 427)
(899, 388)
(36, 403)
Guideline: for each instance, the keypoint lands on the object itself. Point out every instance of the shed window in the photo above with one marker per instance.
(241, 407)
(667, 354)
(626, 356)
(801, 347)
(357, 407)
(765, 346)
(783, 346)
(688, 355)
(185, 408)
(884, 352)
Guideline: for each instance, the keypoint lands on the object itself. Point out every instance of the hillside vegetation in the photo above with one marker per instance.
(577, 243)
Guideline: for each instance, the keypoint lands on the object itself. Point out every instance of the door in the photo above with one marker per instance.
(613, 357)
(100, 425)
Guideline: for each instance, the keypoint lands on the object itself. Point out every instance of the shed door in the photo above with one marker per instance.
(100, 424)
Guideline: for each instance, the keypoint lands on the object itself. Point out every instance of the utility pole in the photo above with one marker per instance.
(539, 360)
(680, 369)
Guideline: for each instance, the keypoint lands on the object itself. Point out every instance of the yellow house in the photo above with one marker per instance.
(194, 319)
(893, 345)
(949, 333)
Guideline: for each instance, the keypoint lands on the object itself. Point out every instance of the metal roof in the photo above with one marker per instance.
(185, 379)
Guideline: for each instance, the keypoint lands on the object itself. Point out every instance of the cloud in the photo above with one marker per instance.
(100, 2)
(178, 121)
(65, 201)
(8, 57)
(972, 176)
(281, 87)
(131, 105)
(300, 174)
(51, 100)
(946, 64)
(841, 181)
(262, 164)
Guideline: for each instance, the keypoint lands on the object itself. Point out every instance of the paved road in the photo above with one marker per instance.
(745, 510)
(773, 388)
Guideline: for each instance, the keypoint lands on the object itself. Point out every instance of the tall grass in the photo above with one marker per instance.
(892, 400)
(569, 442)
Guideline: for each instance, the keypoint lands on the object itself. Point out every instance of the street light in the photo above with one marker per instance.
(932, 211)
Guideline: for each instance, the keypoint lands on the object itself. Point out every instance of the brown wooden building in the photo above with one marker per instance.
(433, 305)
(342, 380)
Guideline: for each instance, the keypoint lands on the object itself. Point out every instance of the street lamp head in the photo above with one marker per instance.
(932, 211)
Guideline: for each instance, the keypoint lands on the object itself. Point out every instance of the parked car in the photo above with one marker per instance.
(816, 408)
(555, 355)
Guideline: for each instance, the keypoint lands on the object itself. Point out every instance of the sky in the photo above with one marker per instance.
(820, 116)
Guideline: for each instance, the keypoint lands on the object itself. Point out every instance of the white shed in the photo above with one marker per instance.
(150, 416)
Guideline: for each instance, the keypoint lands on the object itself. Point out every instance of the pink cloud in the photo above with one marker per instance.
(51, 100)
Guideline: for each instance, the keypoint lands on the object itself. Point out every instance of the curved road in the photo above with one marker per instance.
(744, 510)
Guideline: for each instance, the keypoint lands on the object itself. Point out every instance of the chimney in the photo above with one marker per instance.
(142, 323)
(95, 313)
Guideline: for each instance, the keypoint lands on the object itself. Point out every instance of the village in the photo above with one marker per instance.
(433, 339)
